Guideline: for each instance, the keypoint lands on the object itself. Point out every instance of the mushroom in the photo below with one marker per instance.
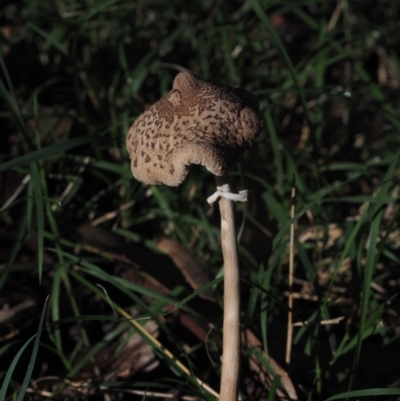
(199, 122)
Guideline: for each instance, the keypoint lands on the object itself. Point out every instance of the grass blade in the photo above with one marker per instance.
(10, 370)
(372, 247)
(49, 37)
(28, 373)
(277, 151)
(281, 49)
(46, 153)
(15, 248)
(37, 186)
(318, 198)
(365, 393)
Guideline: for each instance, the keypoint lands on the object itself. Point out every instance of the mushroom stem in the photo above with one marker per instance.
(231, 326)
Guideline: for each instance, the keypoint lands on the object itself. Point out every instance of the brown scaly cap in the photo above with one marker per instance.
(197, 122)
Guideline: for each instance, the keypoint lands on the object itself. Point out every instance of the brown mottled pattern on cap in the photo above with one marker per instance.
(197, 122)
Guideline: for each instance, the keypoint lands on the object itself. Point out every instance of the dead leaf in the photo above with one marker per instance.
(135, 356)
(152, 270)
(196, 271)
(251, 340)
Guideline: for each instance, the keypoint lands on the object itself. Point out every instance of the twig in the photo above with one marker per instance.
(335, 16)
(336, 320)
(14, 196)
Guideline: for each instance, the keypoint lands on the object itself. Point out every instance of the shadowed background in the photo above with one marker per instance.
(74, 77)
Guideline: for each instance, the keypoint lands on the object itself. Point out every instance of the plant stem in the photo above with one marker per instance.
(231, 326)
(289, 338)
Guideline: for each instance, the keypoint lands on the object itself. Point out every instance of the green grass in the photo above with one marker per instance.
(74, 76)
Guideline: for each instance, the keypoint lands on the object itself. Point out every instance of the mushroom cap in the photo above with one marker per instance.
(197, 122)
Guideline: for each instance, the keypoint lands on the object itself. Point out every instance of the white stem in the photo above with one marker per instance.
(231, 326)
